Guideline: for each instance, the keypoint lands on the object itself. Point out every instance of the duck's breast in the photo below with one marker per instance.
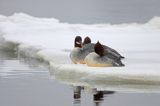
(77, 55)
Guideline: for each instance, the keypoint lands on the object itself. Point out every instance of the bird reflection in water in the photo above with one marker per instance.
(77, 95)
(98, 96)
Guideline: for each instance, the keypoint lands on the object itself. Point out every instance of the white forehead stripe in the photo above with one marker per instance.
(78, 43)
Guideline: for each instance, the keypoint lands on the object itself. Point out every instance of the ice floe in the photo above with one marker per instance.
(50, 40)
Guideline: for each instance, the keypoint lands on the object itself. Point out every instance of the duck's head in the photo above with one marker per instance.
(78, 41)
(99, 49)
(87, 40)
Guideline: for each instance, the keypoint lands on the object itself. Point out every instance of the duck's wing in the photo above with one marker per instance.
(113, 51)
(112, 54)
(116, 61)
(114, 57)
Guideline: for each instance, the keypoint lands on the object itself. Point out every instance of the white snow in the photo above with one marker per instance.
(52, 41)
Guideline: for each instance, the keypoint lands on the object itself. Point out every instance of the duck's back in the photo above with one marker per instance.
(88, 47)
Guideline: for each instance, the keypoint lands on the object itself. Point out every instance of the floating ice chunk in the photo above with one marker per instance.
(51, 41)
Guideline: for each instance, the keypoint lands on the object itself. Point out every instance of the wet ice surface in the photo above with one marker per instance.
(27, 83)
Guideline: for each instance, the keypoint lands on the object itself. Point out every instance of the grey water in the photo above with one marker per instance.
(25, 82)
(86, 11)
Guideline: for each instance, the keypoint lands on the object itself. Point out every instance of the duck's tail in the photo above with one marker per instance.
(120, 63)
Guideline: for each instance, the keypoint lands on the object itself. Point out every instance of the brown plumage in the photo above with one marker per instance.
(78, 41)
(99, 49)
(87, 40)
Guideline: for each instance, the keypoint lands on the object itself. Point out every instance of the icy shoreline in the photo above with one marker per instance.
(51, 41)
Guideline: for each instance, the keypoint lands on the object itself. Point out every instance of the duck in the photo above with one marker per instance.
(111, 52)
(79, 53)
(81, 50)
(100, 58)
